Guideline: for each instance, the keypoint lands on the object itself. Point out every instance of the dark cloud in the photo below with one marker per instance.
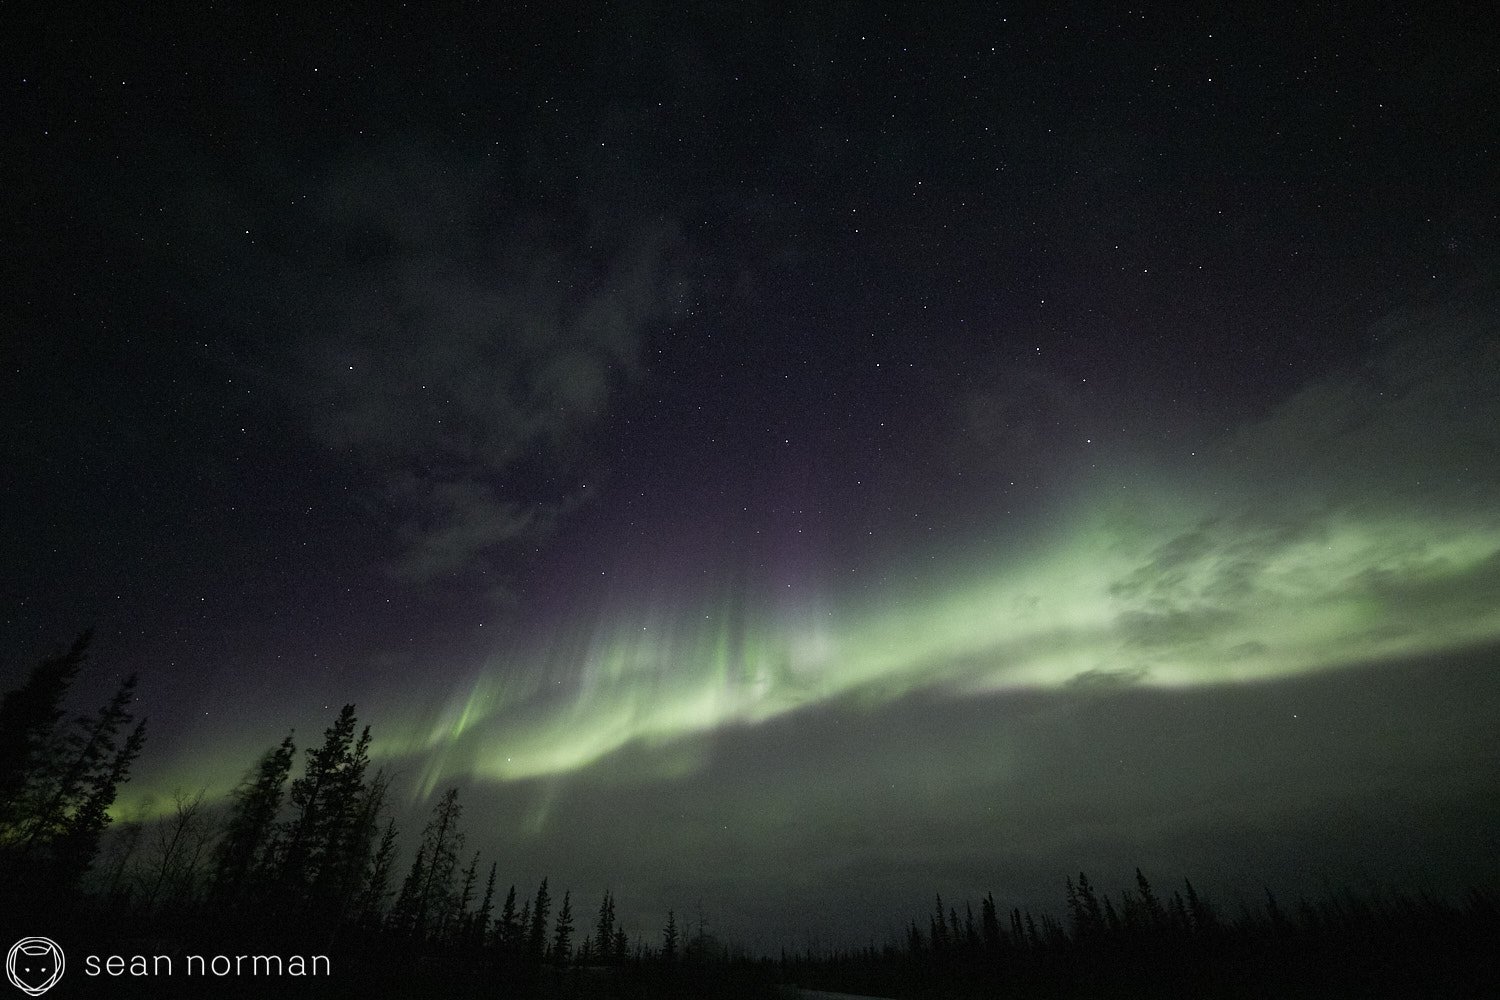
(456, 358)
(1417, 425)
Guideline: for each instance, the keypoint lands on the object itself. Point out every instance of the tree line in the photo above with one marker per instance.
(1144, 943)
(304, 854)
(303, 847)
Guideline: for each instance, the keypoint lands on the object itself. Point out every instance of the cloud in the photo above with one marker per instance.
(460, 359)
(457, 522)
(1416, 426)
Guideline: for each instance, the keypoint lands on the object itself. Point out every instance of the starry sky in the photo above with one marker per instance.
(781, 462)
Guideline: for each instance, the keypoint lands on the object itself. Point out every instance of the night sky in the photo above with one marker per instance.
(781, 462)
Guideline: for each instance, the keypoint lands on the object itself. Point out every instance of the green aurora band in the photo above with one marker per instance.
(1355, 523)
(1112, 603)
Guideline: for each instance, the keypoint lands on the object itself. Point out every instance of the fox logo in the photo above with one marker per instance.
(34, 965)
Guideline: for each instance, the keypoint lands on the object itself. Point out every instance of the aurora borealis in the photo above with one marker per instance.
(782, 466)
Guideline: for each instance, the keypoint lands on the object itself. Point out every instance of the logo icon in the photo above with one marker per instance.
(34, 965)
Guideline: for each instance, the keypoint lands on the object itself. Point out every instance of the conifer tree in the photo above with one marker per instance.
(351, 841)
(669, 938)
(536, 943)
(562, 938)
(464, 898)
(79, 841)
(989, 920)
(253, 809)
(604, 930)
(506, 927)
(69, 791)
(405, 914)
(1088, 917)
(938, 927)
(1178, 910)
(377, 885)
(523, 931)
(315, 853)
(441, 842)
(1204, 918)
(83, 756)
(1155, 915)
(1111, 917)
(481, 923)
(29, 719)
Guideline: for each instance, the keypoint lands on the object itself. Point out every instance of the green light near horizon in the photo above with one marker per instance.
(1207, 602)
(1156, 592)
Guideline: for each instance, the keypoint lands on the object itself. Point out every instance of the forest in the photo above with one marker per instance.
(303, 861)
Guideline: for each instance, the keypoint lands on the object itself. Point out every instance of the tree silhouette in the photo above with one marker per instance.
(431, 896)
(508, 927)
(604, 929)
(481, 922)
(181, 841)
(29, 718)
(536, 942)
(314, 851)
(253, 809)
(464, 898)
(669, 938)
(66, 783)
(989, 921)
(79, 841)
(404, 914)
(377, 885)
(562, 938)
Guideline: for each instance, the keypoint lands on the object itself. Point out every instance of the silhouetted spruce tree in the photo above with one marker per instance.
(253, 809)
(404, 915)
(79, 842)
(312, 848)
(620, 947)
(1087, 916)
(507, 934)
(989, 920)
(1204, 918)
(480, 925)
(352, 845)
(71, 805)
(463, 899)
(377, 884)
(562, 937)
(937, 928)
(536, 942)
(1178, 915)
(1112, 919)
(29, 739)
(441, 842)
(604, 929)
(523, 932)
(1154, 914)
(669, 939)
